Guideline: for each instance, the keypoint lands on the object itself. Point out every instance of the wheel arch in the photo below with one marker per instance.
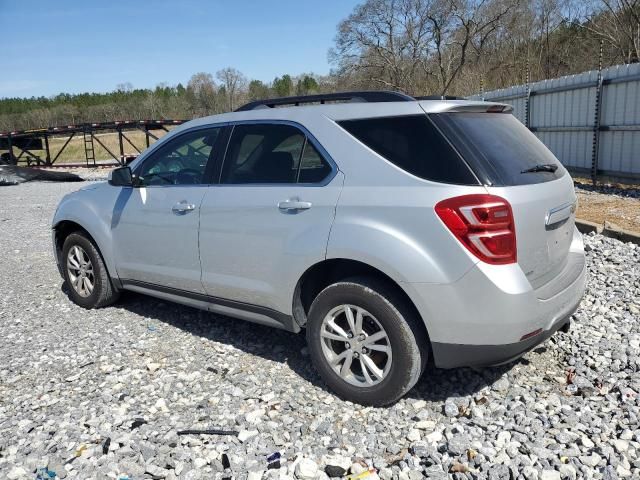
(62, 229)
(329, 271)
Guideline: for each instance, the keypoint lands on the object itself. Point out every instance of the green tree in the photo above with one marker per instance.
(283, 87)
(258, 90)
(306, 85)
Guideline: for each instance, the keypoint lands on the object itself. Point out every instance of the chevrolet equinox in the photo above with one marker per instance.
(394, 230)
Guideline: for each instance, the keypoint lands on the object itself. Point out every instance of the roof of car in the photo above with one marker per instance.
(338, 109)
(344, 106)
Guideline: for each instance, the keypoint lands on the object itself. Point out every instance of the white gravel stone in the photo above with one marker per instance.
(17, 473)
(550, 475)
(621, 446)
(434, 437)
(425, 425)
(200, 462)
(337, 460)
(245, 435)
(586, 442)
(623, 472)
(590, 460)
(568, 472)
(153, 366)
(306, 469)
(530, 473)
(255, 475)
(254, 416)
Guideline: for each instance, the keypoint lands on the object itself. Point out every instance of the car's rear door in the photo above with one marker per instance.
(155, 225)
(269, 217)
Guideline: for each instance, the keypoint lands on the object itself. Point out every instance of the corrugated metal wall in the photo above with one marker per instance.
(562, 113)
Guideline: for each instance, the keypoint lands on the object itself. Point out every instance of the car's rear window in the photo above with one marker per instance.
(498, 147)
(414, 144)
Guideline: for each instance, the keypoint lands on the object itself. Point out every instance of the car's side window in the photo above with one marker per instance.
(272, 154)
(313, 168)
(263, 153)
(181, 161)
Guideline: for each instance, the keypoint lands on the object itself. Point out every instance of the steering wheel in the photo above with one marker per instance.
(195, 174)
(166, 179)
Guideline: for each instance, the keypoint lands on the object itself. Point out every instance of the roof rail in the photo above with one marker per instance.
(439, 97)
(364, 96)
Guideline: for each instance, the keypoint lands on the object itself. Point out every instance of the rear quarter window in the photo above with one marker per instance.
(415, 145)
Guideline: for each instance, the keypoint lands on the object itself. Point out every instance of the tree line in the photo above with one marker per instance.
(452, 47)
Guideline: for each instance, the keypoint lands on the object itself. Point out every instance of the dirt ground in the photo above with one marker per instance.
(600, 207)
(617, 204)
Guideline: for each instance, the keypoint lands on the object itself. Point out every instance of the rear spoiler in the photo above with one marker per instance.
(465, 106)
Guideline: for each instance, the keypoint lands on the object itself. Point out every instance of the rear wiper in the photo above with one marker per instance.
(543, 167)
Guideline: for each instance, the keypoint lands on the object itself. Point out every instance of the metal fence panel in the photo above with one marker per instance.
(562, 113)
(575, 146)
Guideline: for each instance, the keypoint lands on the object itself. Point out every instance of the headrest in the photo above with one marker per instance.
(276, 167)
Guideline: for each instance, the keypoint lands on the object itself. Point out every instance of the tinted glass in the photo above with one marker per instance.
(413, 144)
(313, 168)
(263, 154)
(181, 161)
(498, 145)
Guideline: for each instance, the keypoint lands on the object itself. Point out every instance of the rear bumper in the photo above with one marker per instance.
(483, 317)
(451, 355)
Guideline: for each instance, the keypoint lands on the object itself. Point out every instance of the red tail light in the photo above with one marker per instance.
(484, 224)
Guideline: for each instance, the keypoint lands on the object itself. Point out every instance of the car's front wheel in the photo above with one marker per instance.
(366, 341)
(85, 273)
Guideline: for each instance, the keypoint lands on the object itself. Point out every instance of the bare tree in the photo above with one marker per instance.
(233, 82)
(411, 45)
(201, 91)
(386, 41)
(617, 22)
(462, 30)
(124, 87)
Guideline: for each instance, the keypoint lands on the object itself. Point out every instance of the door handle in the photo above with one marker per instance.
(182, 208)
(292, 205)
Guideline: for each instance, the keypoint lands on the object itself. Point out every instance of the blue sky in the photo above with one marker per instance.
(86, 46)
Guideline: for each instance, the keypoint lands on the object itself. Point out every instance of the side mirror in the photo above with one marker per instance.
(121, 177)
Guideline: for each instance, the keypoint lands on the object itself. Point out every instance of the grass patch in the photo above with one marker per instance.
(74, 151)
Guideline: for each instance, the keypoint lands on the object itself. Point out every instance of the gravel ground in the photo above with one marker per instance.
(102, 394)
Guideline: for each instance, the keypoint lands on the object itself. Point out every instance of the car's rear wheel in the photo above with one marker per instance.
(85, 273)
(366, 341)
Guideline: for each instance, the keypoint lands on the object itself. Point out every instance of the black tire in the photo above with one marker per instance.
(103, 293)
(407, 338)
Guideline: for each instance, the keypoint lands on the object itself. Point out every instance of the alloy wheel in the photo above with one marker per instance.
(356, 345)
(80, 270)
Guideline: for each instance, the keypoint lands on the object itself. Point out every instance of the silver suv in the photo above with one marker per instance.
(394, 230)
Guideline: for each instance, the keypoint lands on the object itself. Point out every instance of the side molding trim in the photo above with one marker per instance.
(232, 308)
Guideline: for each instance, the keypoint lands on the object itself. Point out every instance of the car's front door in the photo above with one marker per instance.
(269, 217)
(155, 225)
